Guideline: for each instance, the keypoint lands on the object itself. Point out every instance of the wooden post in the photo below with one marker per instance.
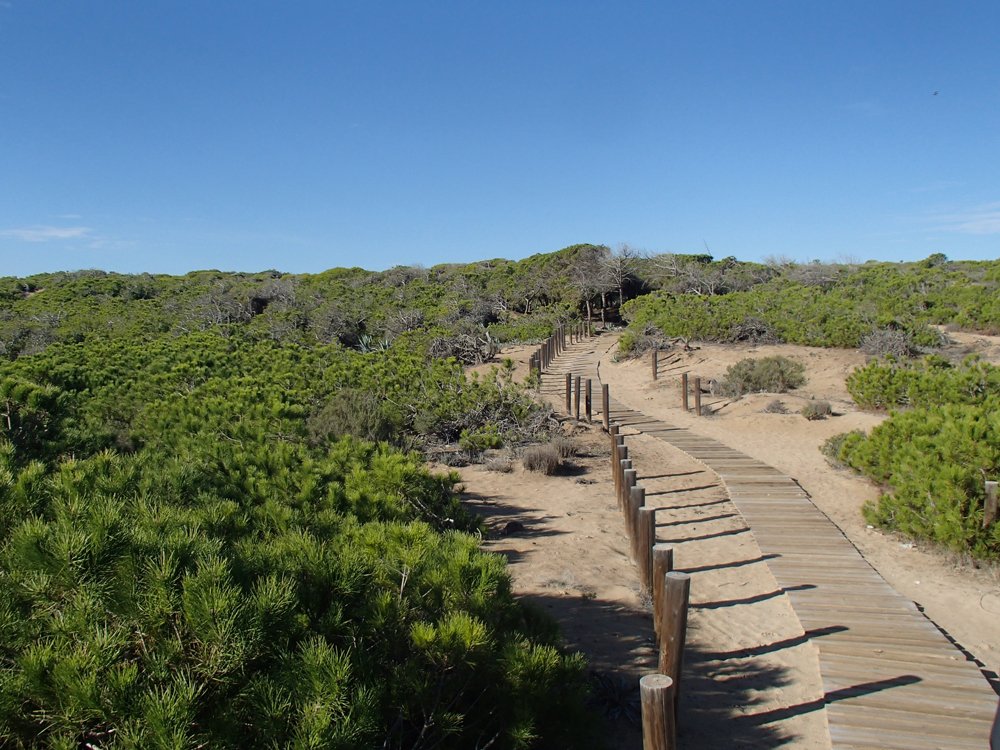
(623, 465)
(606, 405)
(697, 397)
(654, 364)
(645, 537)
(659, 724)
(569, 391)
(636, 499)
(576, 398)
(684, 391)
(673, 627)
(663, 563)
(589, 398)
(628, 482)
(990, 509)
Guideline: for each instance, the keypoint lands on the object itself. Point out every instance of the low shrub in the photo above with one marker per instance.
(565, 447)
(816, 410)
(634, 344)
(764, 375)
(499, 464)
(889, 342)
(832, 446)
(543, 458)
(932, 461)
(777, 406)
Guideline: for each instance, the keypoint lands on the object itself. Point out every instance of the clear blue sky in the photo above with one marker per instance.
(166, 136)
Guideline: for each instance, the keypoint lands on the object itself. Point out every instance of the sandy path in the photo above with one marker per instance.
(751, 679)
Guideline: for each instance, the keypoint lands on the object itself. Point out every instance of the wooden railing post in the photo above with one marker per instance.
(697, 397)
(589, 399)
(654, 364)
(663, 563)
(623, 464)
(606, 405)
(628, 482)
(673, 627)
(576, 398)
(645, 536)
(636, 500)
(990, 509)
(569, 392)
(659, 725)
(684, 391)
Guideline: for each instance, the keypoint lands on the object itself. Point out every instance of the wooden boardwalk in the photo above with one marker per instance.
(891, 678)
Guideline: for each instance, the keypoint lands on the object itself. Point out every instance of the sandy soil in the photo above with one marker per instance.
(961, 599)
(750, 671)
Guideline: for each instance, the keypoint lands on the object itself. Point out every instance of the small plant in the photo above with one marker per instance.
(765, 375)
(708, 411)
(816, 410)
(565, 447)
(615, 696)
(543, 458)
(889, 342)
(499, 464)
(831, 446)
(476, 441)
(777, 406)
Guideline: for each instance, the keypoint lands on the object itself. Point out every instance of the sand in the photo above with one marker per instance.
(568, 552)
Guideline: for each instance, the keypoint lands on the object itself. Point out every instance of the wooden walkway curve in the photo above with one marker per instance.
(891, 678)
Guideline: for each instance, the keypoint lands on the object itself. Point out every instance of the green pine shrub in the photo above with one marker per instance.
(932, 460)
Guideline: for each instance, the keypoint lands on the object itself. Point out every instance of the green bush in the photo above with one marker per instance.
(932, 460)
(933, 381)
(764, 375)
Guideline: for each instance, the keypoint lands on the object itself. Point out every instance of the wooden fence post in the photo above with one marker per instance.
(569, 392)
(588, 397)
(606, 405)
(684, 391)
(663, 563)
(990, 510)
(628, 482)
(620, 469)
(654, 365)
(645, 536)
(673, 627)
(697, 397)
(636, 499)
(659, 725)
(576, 397)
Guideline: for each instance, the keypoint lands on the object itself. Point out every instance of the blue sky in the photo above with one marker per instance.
(168, 136)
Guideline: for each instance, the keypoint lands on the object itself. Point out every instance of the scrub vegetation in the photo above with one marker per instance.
(216, 524)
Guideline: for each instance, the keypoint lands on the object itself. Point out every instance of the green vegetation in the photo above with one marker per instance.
(828, 305)
(215, 523)
(936, 454)
(215, 530)
(762, 375)
(932, 459)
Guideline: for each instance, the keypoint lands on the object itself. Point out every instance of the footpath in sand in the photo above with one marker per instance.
(752, 676)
